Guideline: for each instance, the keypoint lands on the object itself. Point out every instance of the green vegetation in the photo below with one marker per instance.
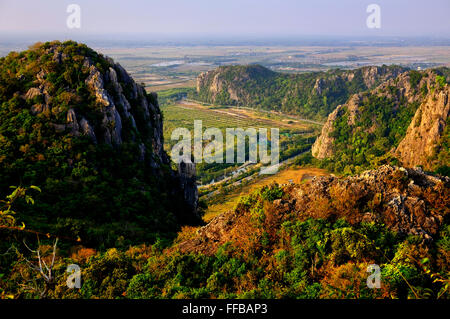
(97, 192)
(379, 125)
(440, 81)
(379, 128)
(170, 96)
(293, 141)
(443, 72)
(279, 255)
(414, 78)
(312, 95)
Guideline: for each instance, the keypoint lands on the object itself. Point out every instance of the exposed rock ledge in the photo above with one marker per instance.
(407, 201)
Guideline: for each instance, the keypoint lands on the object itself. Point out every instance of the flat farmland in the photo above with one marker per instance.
(162, 67)
(296, 136)
(183, 114)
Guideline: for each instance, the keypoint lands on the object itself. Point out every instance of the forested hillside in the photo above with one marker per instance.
(313, 240)
(404, 120)
(312, 95)
(74, 123)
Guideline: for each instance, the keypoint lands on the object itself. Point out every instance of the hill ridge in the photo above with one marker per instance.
(76, 124)
(313, 94)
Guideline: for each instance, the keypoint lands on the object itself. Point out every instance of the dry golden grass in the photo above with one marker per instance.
(283, 177)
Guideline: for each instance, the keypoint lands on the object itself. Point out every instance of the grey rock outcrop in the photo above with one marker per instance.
(323, 146)
(123, 112)
(425, 131)
(187, 173)
(406, 200)
(87, 129)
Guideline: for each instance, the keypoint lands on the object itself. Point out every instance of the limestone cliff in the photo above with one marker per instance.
(113, 91)
(314, 94)
(323, 146)
(425, 133)
(84, 131)
(423, 93)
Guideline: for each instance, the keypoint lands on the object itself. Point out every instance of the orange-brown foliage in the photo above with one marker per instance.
(349, 281)
(82, 254)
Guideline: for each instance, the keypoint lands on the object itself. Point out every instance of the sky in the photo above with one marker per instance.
(228, 17)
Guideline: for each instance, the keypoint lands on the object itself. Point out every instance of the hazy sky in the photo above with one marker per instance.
(221, 17)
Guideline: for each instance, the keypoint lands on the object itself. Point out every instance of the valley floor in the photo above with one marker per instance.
(184, 112)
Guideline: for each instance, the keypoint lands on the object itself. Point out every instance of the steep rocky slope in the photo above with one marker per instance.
(313, 240)
(427, 133)
(310, 94)
(407, 201)
(405, 117)
(104, 86)
(76, 124)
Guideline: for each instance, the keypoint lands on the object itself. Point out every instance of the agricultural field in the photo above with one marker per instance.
(162, 67)
(296, 136)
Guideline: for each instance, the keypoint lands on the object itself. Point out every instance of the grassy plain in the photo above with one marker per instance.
(295, 135)
(292, 174)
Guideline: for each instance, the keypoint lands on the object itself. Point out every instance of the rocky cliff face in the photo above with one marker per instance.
(256, 86)
(91, 137)
(407, 201)
(425, 131)
(113, 91)
(323, 147)
(229, 82)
